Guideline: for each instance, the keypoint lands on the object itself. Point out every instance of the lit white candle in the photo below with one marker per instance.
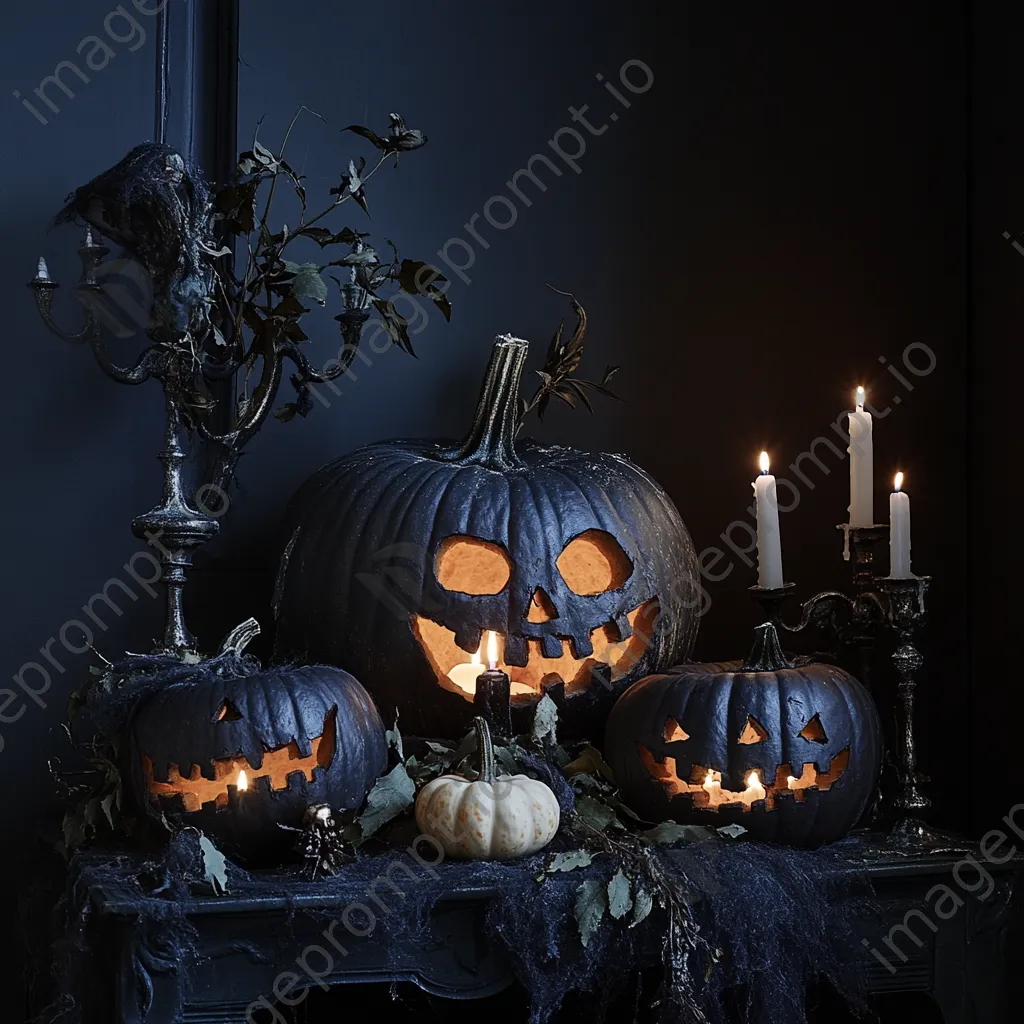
(899, 532)
(862, 488)
(769, 542)
(464, 676)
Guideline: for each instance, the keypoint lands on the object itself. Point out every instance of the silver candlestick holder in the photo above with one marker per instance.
(876, 607)
(177, 527)
(176, 359)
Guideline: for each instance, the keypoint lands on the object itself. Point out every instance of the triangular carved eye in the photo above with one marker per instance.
(228, 713)
(674, 732)
(814, 731)
(542, 608)
(753, 731)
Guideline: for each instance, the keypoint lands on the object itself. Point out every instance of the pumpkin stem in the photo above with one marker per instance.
(766, 654)
(240, 637)
(491, 441)
(485, 749)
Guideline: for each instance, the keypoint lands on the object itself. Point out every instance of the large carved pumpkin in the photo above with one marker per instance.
(792, 754)
(403, 554)
(236, 751)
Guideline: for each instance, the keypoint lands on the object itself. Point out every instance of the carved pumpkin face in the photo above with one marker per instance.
(558, 614)
(237, 755)
(404, 555)
(792, 754)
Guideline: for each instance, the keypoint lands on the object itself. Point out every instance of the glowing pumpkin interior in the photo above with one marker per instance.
(234, 775)
(591, 563)
(704, 785)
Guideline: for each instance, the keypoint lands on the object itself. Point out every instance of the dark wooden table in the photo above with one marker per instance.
(962, 956)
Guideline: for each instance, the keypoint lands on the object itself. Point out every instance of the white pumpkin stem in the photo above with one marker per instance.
(240, 637)
(485, 750)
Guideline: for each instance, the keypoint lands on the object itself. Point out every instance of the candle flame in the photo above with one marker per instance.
(243, 781)
(898, 484)
(492, 650)
(790, 780)
(860, 396)
(753, 780)
(764, 462)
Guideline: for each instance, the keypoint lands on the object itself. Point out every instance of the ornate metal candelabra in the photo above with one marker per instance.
(174, 527)
(877, 605)
(174, 358)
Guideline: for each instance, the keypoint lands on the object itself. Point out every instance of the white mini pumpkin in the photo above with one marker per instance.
(489, 818)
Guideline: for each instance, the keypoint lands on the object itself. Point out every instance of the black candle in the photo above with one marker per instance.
(493, 701)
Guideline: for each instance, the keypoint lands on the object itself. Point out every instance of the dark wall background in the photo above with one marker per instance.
(788, 203)
(78, 450)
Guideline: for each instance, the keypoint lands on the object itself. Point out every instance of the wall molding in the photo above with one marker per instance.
(196, 108)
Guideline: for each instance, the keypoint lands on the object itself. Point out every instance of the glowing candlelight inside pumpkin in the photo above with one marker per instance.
(754, 790)
(717, 796)
(243, 781)
(464, 676)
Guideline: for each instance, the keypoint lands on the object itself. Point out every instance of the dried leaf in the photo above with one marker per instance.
(107, 805)
(589, 762)
(599, 388)
(581, 394)
(642, 904)
(264, 156)
(365, 257)
(506, 760)
(596, 814)
(391, 794)
(306, 281)
(324, 236)
(555, 346)
(620, 900)
(669, 832)
(394, 739)
(366, 133)
(402, 139)
(733, 831)
(591, 904)
(214, 866)
(565, 395)
(545, 721)
(238, 205)
(570, 861)
(439, 748)
(419, 278)
(395, 324)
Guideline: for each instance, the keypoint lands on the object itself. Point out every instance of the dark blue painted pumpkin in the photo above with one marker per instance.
(401, 557)
(791, 754)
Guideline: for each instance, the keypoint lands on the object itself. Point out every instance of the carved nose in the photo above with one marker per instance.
(542, 608)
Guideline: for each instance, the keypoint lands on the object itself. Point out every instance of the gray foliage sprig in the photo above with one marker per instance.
(264, 300)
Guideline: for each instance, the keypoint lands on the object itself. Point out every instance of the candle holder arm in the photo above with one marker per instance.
(90, 291)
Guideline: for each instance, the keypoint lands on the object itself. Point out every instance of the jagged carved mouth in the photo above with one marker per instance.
(529, 680)
(232, 776)
(704, 786)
